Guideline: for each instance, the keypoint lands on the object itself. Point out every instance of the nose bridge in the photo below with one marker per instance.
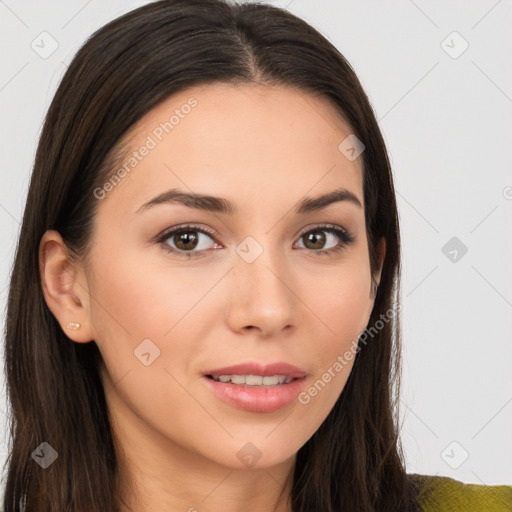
(262, 289)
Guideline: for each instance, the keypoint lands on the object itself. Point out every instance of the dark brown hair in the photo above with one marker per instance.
(354, 461)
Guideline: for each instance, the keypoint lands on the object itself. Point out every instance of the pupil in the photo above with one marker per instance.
(316, 238)
(185, 238)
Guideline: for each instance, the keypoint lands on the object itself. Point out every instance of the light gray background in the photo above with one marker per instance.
(447, 123)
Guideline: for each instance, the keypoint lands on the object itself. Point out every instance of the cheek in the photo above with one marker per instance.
(133, 302)
(143, 298)
(151, 319)
(145, 325)
(341, 299)
(343, 305)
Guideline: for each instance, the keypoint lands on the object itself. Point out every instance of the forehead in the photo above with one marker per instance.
(241, 141)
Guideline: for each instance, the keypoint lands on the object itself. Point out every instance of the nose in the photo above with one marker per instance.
(262, 296)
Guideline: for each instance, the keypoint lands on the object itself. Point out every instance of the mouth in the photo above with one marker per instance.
(255, 386)
(258, 381)
(254, 373)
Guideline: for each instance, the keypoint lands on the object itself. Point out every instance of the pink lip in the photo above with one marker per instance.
(255, 368)
(253, 398)
(257, 398)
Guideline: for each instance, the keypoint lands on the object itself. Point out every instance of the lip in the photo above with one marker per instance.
(255, 368)
(257, 398)
(254, 398)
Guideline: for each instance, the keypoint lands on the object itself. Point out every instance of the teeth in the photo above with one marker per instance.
(254, 380)
(250, 380)
(238, 379)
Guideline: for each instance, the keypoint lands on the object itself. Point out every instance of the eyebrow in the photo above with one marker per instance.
(222, 205)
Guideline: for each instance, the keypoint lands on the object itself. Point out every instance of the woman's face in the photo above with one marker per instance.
(241, 286)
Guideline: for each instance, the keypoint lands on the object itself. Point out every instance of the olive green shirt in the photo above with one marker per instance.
(444, 494)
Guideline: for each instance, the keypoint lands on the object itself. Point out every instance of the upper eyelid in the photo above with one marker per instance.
(190, 227)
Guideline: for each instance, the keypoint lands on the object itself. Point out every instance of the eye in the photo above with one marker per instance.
(191, 241)
(185, 240)
(315, 239)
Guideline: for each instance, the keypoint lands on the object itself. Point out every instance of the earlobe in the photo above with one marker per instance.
(66, 298)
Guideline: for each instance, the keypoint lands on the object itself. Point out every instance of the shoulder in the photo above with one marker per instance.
(444, 494)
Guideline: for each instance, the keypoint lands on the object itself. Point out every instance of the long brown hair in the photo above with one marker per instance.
(354, 461)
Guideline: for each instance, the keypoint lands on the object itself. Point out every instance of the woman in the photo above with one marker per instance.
(204, 307)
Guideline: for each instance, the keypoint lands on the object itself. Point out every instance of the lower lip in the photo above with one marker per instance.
(256, 398)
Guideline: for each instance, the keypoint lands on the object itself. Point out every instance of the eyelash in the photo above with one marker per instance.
(345, 237)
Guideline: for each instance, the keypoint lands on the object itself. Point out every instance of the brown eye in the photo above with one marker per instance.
(314, 240)
(185, 240)
(334, 237)
(188, 241)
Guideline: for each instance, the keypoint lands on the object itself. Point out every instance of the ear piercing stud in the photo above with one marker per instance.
(73, 326)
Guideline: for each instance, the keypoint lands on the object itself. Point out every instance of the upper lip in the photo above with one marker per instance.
(255, 368)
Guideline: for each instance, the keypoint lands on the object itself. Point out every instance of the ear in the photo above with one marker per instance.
(65, 287)
(381, 251)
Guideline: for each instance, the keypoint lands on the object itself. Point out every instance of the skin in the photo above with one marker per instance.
(264, 148)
